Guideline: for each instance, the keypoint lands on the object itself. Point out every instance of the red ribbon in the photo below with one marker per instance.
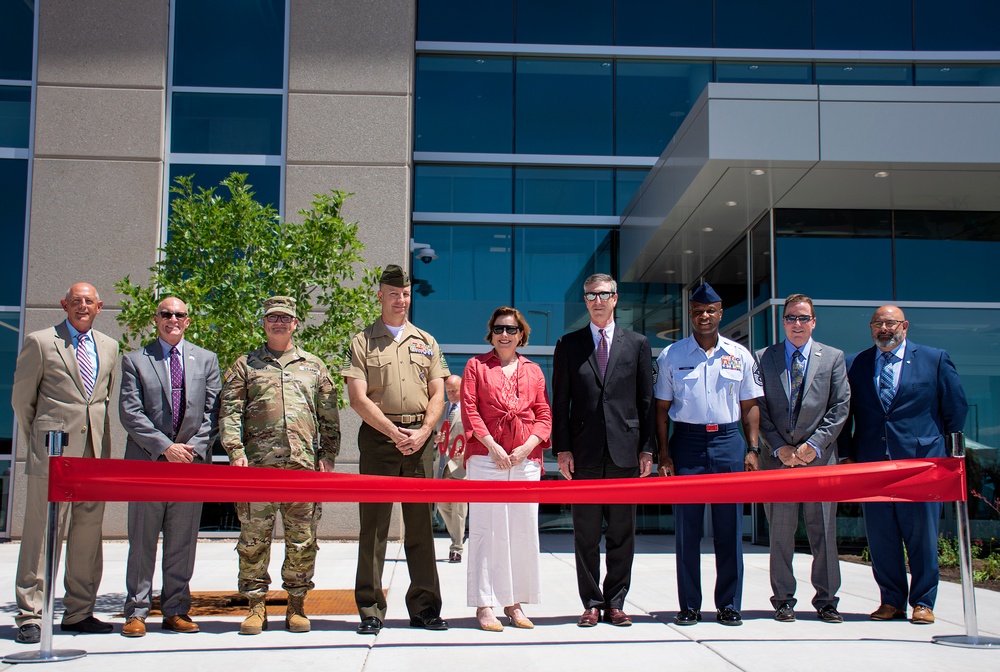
(75, 479)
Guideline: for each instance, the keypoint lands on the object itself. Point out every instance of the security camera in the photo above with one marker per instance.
(426, 254)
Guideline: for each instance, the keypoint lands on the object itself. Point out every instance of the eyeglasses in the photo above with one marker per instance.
(592, 296)
(166, 314)
(510, 329)
(801, 319)
(274, 317)
(887, 324)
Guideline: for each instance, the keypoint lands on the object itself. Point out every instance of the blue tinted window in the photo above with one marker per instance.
(563, 191)
(958, 75)
(15, 113)
(463, 189)
(550, 265)
(565, 22)
(664, 23)
(959, 25)
(564, 107)
(764, 73)
(651, 101)
(229, 43)
(627, 182)
(18, 21)
(464, 104)
(266, 180)
(222, 123)
(729, 278)
(455, 294)
(777, 24)
(851, 73)
(936, 252)
(863, 25)
(464, 21)
(804, 238)
(13, 199)
(652, 309)
(760, 263)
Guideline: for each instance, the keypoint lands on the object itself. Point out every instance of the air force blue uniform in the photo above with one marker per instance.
(705, 393)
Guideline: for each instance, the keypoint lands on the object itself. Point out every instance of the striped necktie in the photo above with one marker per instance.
(85, 363)
(886, 381)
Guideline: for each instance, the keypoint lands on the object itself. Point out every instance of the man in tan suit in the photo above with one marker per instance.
(63, 382)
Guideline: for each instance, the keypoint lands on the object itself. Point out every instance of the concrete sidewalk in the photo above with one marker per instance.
(653, 642)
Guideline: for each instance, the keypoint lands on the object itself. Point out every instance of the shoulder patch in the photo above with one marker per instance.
(757, 378)
(656, 371)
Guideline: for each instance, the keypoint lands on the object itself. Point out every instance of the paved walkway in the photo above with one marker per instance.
(556, 643)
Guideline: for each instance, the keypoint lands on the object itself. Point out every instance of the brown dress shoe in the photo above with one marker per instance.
(589, 618)
(922, 615)
(617, 617)
(887, 612)
(135, 626)
(180, 623)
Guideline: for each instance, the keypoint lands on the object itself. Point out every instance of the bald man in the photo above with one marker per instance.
(63, 382)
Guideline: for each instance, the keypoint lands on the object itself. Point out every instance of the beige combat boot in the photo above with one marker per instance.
(295, 614)
(256, 620)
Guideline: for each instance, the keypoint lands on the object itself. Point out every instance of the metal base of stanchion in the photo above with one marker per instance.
(967, 642)
(56, 656)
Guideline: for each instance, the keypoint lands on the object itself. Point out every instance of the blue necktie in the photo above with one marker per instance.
(886, 381)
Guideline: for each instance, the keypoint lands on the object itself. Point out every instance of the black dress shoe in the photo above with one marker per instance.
(370, 625)
(428, 620)
(829, 614)
(729, 616)
(29, 633)
(784, 613)
(688, 617)
(88, 626)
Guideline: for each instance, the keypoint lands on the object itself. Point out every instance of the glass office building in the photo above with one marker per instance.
(509, 149)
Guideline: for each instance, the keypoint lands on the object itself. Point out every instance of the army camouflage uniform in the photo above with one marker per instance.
(279, 412)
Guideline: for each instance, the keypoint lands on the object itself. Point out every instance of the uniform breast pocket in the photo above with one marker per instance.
(732, 374)
(687, 382)
(421, 364)
(378, 372)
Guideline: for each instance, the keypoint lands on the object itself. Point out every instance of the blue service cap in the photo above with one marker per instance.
(705, 294)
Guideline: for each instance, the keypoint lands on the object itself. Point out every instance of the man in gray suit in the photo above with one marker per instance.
(805, 405)
(169, 406)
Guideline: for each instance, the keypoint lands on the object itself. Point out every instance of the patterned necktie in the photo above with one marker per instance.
(85, 363)
(602, 353)
(795, 393)
(886, 381)
(176, 386)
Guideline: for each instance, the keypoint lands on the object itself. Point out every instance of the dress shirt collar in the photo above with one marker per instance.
(790, 351)
(166, 348)
(609, 333)
(75, 333)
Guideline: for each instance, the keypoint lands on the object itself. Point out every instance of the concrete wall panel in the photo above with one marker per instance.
(348, 129)
(91, 122)
(361, 47)
(121, 43)
(94, 221)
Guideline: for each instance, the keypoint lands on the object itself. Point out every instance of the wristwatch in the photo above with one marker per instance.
(755, 450)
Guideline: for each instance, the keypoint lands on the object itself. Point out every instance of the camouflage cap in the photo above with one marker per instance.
(394, 276)
(279, 304)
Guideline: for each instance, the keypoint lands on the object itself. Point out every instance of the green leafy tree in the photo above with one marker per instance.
(226, 254)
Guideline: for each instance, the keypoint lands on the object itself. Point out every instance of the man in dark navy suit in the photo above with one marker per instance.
(602, 427)
(904, 398)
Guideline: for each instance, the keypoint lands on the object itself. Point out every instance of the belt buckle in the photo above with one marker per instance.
(711, 428)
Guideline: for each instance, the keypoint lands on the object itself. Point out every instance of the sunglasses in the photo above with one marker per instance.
(279, 318)
(500, 328)
(166, 314)
(801, 319)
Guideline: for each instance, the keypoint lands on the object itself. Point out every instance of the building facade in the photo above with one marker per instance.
(507, 150)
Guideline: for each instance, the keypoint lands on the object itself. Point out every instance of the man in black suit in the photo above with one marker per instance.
(602, 427)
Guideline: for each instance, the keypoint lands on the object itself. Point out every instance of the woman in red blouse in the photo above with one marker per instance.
(507, 420)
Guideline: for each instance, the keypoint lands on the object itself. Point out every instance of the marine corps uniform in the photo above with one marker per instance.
(397, 372)
(279, 412)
